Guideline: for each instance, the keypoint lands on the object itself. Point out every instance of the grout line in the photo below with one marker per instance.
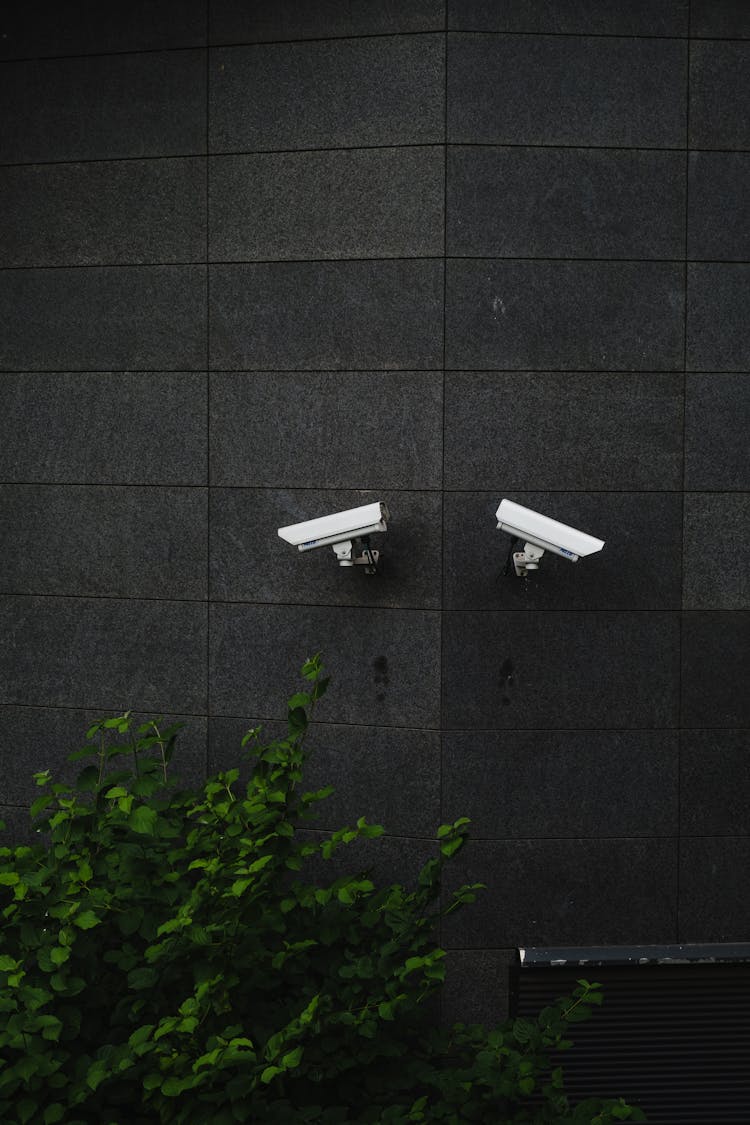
(93, 55)
(498, 144)
(490, 33)
(463, 369)
(167, 486)
(208, 392)
(450, 731)
(368, 606)
(321, 829)
(487, 33)
(582, 837)
(441, 715)
(683, 473)
(417, 258)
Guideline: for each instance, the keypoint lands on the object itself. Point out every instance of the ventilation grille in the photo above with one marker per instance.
(672, 1039)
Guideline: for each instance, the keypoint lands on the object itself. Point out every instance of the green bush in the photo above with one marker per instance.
(193, 957)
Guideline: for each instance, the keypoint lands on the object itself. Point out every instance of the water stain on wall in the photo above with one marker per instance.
(380, 667)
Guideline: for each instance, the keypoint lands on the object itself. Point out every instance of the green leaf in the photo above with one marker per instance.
(26, 1109)
(523, 1030)
(9, 878)
(292, 1058)
(143, 978)
(143, 820)
(8, 964)
(97, 1072)
(131, 921)
(621, 1112)
(259, 864)
(86, 920)
(270, 1073)
(51, 1027)
(53, 1113)
(297, 719)
(88, 779)
(40, 803)
(173, 1087)
(312, 667)
(120, 723)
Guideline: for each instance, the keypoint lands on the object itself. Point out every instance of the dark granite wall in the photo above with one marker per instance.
(279, 258)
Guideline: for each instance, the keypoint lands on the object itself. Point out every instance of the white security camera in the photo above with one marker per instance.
(342, 531)
(540, 534)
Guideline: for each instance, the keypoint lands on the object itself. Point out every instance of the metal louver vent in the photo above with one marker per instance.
(673, 1034)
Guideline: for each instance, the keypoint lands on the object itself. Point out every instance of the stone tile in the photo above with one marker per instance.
(640, 566)
(562, 783)
(234, 21)
(548, 670)
(327, 315)
(89, 27)
(339, 429)
(122, 427)
(719, 95)
(719, 209)
(392, 777)
(151, 104)
(92, 541)
(477, 986)
(108, 213)
(720, 19)
(574, 315)
(250, 563)
(714, 782)
(385, 664)
(18, 830)
(714, 873)
(718, 308)
(367, 203)
(43, 737)
(566, 892)
(575, 17)
(563, 430)
(716, 562)
(103, 653)
(717, 422)
(88, 319)
(715, 669)
(565, 203)
(549, 90)
(332, 94)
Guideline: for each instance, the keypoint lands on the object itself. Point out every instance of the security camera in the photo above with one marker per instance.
(539, 534)
(343, 531)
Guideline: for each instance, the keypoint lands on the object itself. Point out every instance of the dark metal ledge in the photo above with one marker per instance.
(584, 956)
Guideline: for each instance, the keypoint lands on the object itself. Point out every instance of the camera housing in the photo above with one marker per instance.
(343, 531)
(540, 533)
